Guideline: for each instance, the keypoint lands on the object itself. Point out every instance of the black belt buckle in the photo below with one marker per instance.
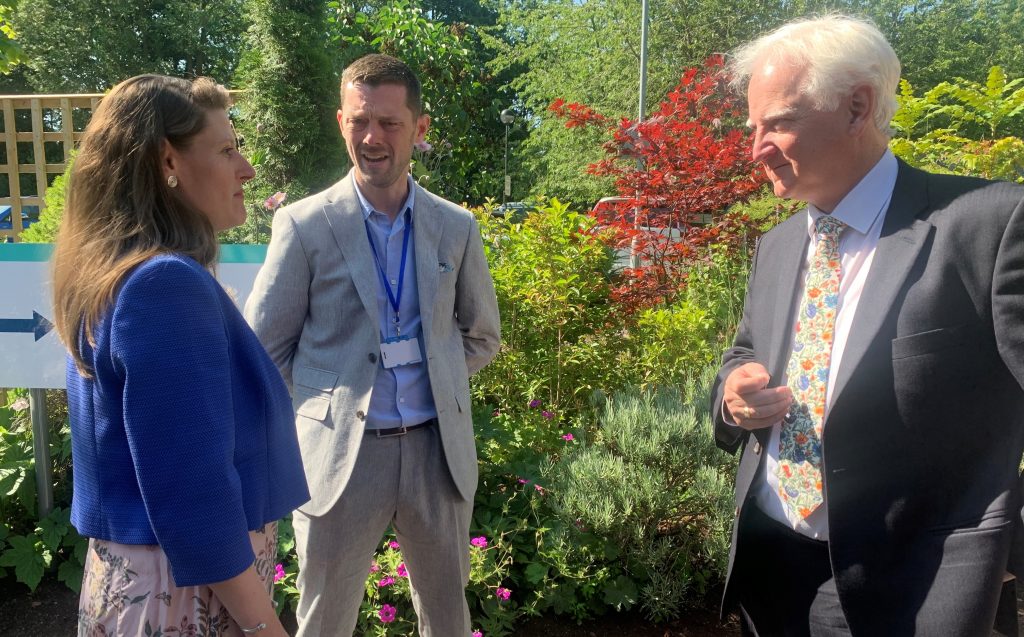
(401, 431)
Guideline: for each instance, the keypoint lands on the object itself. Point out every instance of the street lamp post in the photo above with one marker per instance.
(507, 117)
(634, 256)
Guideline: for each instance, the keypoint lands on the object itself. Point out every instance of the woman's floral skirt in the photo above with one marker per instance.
(128, 591)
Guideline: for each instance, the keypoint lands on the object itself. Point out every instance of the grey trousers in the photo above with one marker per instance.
(402, 481)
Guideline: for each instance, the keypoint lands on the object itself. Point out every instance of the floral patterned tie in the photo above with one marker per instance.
(799, 468)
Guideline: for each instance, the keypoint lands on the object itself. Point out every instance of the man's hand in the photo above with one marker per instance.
(749, 403)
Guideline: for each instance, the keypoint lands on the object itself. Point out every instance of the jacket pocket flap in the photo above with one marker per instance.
(312, 406)
(312, 378)
(934, 341)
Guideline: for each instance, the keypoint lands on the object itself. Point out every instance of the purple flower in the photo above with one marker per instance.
(568, 437)
(477, 633)
(401, 570)
(385, 581)
(522, 480)
(535, 403)
(547, 414)
(387, 613)
(502, 594)
(423, 147)
(479, 542)
(393, 544)
(539, 489)
(278, 572)
(374, 567)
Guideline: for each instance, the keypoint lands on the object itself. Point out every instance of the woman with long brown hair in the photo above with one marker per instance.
(182, 436)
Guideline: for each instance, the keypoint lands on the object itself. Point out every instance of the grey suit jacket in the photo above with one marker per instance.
(314, 308)
(925, 433)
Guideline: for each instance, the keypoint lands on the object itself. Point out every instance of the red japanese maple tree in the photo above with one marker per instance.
(677, 173)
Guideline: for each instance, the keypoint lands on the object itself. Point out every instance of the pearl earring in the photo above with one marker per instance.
(172, 181)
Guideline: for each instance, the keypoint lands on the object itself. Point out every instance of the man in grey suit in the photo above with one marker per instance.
(376, 303)
(875, 384)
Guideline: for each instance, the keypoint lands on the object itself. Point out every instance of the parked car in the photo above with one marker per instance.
(608, 207)
(27, 219)
(514, 210)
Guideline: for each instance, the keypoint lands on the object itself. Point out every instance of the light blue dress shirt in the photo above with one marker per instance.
(401, 395)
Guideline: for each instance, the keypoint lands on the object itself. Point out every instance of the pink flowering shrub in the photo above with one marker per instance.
(387, 606)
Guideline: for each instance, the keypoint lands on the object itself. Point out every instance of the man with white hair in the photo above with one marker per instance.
(875, 385)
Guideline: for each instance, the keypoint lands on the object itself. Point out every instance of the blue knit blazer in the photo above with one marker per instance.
(185, 436)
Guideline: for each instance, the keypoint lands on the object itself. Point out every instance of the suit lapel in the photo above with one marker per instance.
(901, 240)
(428, 226)
(345, 218)
(787, 273)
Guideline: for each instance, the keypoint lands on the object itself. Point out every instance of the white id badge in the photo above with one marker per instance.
(397, 352)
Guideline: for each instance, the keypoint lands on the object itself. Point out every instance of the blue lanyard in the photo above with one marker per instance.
(394, 298)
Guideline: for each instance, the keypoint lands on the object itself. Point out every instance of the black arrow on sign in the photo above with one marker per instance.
(38, 325)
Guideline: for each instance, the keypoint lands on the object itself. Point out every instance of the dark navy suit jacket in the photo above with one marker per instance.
(923, 439)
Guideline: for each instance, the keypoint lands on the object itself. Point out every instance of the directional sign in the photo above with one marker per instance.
(37, 325)
(31, 355)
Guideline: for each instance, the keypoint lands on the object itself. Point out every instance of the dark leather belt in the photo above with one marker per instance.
(400, 431)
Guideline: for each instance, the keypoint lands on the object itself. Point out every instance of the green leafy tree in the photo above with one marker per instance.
(475, 12)
(287, 116)
(941, 39)
(460, 94)
(89, 45)
(589, 52)
(964, 127)
(10, 50)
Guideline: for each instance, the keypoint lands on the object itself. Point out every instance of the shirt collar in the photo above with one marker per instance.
(860, 208)
(410, 201)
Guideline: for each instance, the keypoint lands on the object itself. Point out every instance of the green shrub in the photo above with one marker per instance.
(668, 345)
(30, 546)
(548, 570)
(672, 341)
(45, 230)
(561, 336)
(651, 485)
(387, 607)
(963, 127)
(286, 117)
(767, 211)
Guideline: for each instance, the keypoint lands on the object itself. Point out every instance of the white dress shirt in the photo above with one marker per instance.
(863, 211)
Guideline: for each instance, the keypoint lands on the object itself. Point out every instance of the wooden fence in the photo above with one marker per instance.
(39, 131)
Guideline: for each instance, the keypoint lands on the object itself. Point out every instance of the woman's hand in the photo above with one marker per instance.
(246, 599)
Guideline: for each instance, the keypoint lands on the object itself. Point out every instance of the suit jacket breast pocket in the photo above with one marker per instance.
(312, 390)
(933, 372)
(934, 341)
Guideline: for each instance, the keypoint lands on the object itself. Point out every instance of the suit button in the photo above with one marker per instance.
(372, 357)
(360, 415)
(757, 448)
